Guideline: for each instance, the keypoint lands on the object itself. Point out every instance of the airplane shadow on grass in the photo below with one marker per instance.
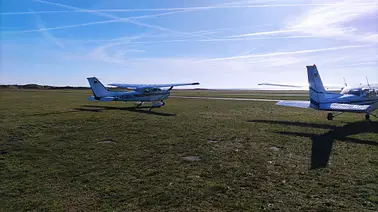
(99, 108)
(92, 108)
(322, 144)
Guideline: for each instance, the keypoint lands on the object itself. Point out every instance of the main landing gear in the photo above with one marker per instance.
(330, 116)
(157, 104)
(367, 116)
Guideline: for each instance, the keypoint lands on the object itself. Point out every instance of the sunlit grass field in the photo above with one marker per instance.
(252, 94)
(61, 152)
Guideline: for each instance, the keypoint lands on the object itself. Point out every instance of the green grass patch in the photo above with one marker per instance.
(61, 152)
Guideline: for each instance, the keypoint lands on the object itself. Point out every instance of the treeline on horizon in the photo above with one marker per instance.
(49, 87)
(36, 86)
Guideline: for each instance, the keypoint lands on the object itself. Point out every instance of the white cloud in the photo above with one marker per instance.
(335, 21)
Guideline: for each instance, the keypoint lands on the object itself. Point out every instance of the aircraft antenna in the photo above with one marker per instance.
(345, 83)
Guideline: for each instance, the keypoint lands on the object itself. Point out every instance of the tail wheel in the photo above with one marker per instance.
(367, 117)
(330, 116)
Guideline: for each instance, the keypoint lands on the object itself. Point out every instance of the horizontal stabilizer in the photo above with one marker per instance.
(300, 104)
(119, 85)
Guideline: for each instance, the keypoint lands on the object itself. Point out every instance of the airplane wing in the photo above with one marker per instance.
(332, 106)
(150, 85)
(283, 85)
(329, 87)
(348, 107)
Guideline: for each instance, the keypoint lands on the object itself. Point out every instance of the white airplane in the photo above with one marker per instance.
(140, 92)
(356, 100)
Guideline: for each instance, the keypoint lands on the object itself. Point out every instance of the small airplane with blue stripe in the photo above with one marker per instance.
(357, 100)
(140, 92)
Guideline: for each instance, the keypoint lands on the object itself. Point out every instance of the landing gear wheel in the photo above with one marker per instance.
(330, 116)
(163, 103)
(367, 117)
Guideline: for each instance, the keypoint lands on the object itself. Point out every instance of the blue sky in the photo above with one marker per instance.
(220, 43)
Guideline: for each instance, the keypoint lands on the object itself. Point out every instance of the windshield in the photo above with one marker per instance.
(356, 92)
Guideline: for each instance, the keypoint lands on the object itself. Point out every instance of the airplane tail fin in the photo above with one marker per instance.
(97, 87)
(317, 90)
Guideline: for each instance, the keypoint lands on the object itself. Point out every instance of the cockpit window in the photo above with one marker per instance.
(369, 92)
(148, 90)
(354, 92)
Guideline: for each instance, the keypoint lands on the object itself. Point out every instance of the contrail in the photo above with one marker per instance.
(47, 35)
(286, 53)
(92, 23)
(263, 33)
(113, 17)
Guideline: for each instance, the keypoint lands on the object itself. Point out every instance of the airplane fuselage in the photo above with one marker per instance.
(134, 96)
(142, 96)
(141, 93)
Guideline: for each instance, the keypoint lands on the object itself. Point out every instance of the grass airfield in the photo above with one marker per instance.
(61, 152)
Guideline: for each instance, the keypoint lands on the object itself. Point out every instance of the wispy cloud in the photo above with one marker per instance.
(118, 55)
(286, 53)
